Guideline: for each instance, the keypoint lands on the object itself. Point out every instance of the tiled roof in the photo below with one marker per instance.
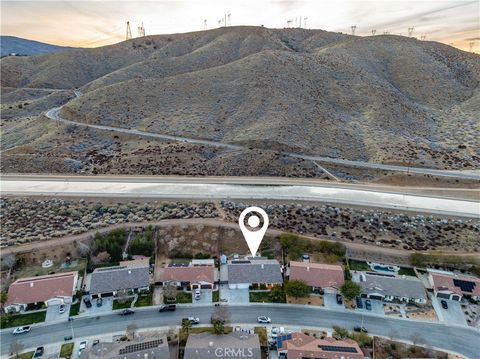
(254, 271)
(208, 346)
(451, 282)
(317, 274)
(111, 279)
(304, 346)
(191, 274)
(42, 288)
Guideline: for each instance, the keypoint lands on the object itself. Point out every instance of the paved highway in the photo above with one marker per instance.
(245, 188)
(53, 114)
(458, 339)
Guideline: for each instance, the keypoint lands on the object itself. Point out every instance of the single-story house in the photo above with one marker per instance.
(302, 346)
(194, 275)
(390, 288)
(449, 285)
(106, 282)
(50, 289)
(233, 345)
(144, 348)
(244, 272)
(327, 277)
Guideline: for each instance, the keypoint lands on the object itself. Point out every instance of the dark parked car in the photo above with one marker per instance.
(359, 302)
(87, 302)
(444, 304)
(127, 312)
(368, 304)
(360, 329)
(167, 308)
(99, 302)
(339, 299)
(38, 352)
(67, 338)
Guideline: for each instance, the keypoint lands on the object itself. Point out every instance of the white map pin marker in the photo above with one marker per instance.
(253, 238)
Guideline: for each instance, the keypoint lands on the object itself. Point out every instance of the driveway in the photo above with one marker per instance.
(377, 306)
(107, 305)
(205, 297)
(452, 315)
(330, 301)
(53, 313)
(234, 296)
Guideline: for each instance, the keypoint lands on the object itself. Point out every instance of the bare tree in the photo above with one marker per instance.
(131, 330)
(9, 260)
(15, 348)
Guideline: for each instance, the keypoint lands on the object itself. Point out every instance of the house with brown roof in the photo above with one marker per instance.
(50, 289)
(302, 346)
(454, 286)
(319, 276)
(194, 275)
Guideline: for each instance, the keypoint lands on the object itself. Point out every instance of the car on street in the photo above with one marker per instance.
(62, 308)
(87, 302)
(264, 319)
(167, 308)
(339, 299)
(22, 330)
(360, 329)
(193, 320)
(368, 304)
(127, 312)
(99, 302)
(38, 352)
(444, 304)
(359, 302)
(81, 347)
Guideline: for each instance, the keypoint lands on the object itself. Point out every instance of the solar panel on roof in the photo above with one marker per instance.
(282, 338)
(464, 285)
(132, 348)
(241, 262)
(336, 348)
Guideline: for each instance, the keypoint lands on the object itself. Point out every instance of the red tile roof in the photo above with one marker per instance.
(444, 282)
(42, 288)
(191, 274)
(304, 346)
(317, 274)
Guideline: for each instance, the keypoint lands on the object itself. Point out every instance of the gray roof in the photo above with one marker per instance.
(107, 280)
(408, 287)
(155, 347)
(254, 271)
(208, 346)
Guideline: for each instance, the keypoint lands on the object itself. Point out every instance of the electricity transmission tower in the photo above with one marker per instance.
(229, 18)
(386, 32)
(423, 37)
(374, 31)
(410, 31)
(289, 23)
(471, 44)
(305, 22)
(354, 27)
(141, 31)
(129, 31)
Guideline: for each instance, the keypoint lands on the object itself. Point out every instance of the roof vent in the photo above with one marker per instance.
(129, 271)
(31, 284)
(210, 344)
(263, 266)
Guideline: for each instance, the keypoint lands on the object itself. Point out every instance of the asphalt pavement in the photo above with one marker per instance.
(459, 339)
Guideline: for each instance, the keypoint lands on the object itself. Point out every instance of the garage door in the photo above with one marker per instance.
(443, 295)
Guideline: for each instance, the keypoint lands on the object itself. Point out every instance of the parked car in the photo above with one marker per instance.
(82, 346)
(193, 320)
(127, 312)
(368, 304)
(38, 352)
(359, 302)
(339, 299)
(167, 308)
(197, 294)
(444, 304)
(22, 330)
(95, 342)
(67, 338)
(62, 308)
(87, 302)
(99, 302)
(264, 319)
(275, 332)
(360, 329)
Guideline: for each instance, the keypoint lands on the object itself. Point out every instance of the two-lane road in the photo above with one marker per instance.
(461, 340)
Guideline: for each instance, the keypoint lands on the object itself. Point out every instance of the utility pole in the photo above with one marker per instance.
(305, 22)
(205, 24)
(129, 31)
(289, 23)
(229, 17)
(141, 31)
(410, 31)
(471, 44)
(354, 27)
(374, 31)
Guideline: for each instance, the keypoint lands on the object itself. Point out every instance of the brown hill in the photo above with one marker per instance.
(382, 98)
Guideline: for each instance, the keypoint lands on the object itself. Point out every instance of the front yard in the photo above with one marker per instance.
(27, 355)
(17, 320)
(310, 300)
(122, 304)
(265, 297)
(144, 299)
(66, 350)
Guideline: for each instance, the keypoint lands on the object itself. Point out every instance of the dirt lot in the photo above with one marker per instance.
(310, 300)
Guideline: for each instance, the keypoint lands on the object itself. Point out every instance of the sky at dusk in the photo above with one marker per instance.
(97, 23)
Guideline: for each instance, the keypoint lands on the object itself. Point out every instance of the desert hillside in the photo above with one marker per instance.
(387, 99)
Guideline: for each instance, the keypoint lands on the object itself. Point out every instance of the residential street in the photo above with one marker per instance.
(434, 334)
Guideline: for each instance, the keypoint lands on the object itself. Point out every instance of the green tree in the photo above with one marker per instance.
(218, 327)
(277, 294)
(186, 325)
(297, 288)
(340, 332)
(3, 297)
(350, 290)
